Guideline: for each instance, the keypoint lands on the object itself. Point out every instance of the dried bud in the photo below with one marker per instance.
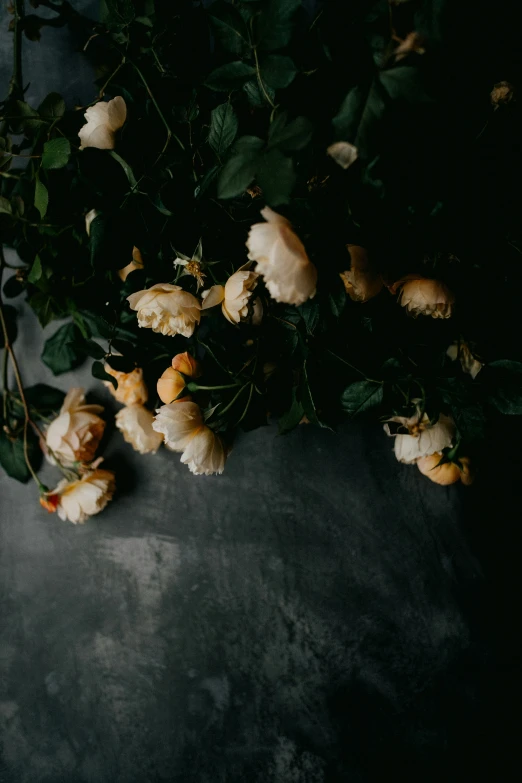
(501, 93)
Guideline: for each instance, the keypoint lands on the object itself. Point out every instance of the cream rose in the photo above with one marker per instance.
(135, 423)
(468, 362)
(421, 296)
(76, 501)
(421, 438)
(183, 429)
(362, 282)
(448, 472)
(234, 296)
(102, 122)
(131, 388)
(75, 434)
(166, 309)
(281, 259)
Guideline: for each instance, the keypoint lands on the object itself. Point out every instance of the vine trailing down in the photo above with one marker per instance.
(264, 214)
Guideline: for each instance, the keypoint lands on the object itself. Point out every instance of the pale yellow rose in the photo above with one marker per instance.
(421, 438)
(422, 296)
(182, 426)
(185, 363)
(281, 259)
(447, 473)
(468, 362)
(75, 434)
(76, 501)
(234, 296)
(362, 281)
(167, 309)
(135, 423)
(101, 123)
(89, 217)
(136, 263)
(131, 386)
(343, 153)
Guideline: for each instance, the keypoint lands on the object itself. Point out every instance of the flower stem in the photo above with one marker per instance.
(192, 386)
(261, 82)
(170, 134)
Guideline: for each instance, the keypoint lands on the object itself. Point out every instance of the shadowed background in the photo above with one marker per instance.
(318, 613)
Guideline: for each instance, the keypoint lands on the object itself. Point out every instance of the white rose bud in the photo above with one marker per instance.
(75, 434)
(281, 259)
(166, 309)
(135, 423)
(102, 121)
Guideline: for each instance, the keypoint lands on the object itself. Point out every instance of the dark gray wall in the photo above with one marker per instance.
(313, 615)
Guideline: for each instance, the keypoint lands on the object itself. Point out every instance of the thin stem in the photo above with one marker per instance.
(196, 387)
(234, 398)
(261, 82)
(247, 405)
(4, 385)
(353, 367)
(170, 134)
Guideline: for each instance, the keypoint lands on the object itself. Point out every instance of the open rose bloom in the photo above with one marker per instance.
(75, 434)
(76, 501)
(135, 423)
(101, 123)
(235, 296)
(423, 296)
(281, 259)
(417, 437)
(167, 309)
(182, 426)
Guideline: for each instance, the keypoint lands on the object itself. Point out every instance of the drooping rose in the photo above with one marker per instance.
(423, 296)
(281, 259)
(421, 438)
(101, 123)
(75, 434)
(448, 472)
(234, 296)
(166, 309)
(185, 363)
(469, 363)
(343, 153)
(81, 499)
(182, 426)
(170, 385)
(135, 423)
(131, 388)
(362, 281)
(136, 263)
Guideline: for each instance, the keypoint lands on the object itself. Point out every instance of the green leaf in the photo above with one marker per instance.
(292, 137)
(62, 351)
(308, 400)
(223, 128)
(276, 177)
(310, 314)
(93, 349)
(121, 363)
(5, 206)
(45, 399)
(12, 456)
(255, 95)
(119, 11)
(337, 297)
(110, 241)
(237, 174)
(52, 107)
(503, 382)
(289, 420)
(56, 153)
(45, 307)
(126, 168)
(27, 120)
(230, 77)
(229, 28)
(361, 396)
(98, 371)
(41, 197)
(9, 314)
(275, 23)
(36, 270)
(277, 70)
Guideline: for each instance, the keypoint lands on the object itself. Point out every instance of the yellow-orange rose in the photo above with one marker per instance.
(131, 388)
(185, 363)
(136, 263)
(422, 296)
(75, 434)
(170, 385)
(448, 472)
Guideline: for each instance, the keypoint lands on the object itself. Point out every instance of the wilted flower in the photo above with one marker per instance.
(181, 423)
(234, 296)
(75, 434)
(502, 93)
(131, 388)
(76, 501)
(422, 438)
(102, 122)
(362, 282)
(135, 423)
(422, 296)
(469, 363)
(136, 263)
(343, 153)
(166, 309)
(447, 472)
(192, 266)
(281, 259)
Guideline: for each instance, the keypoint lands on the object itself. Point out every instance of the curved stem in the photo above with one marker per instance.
(261, 82)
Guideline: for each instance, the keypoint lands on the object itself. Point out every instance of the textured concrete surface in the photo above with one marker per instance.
(316, 614)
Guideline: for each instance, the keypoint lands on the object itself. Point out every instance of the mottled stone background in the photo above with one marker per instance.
(319, 613)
